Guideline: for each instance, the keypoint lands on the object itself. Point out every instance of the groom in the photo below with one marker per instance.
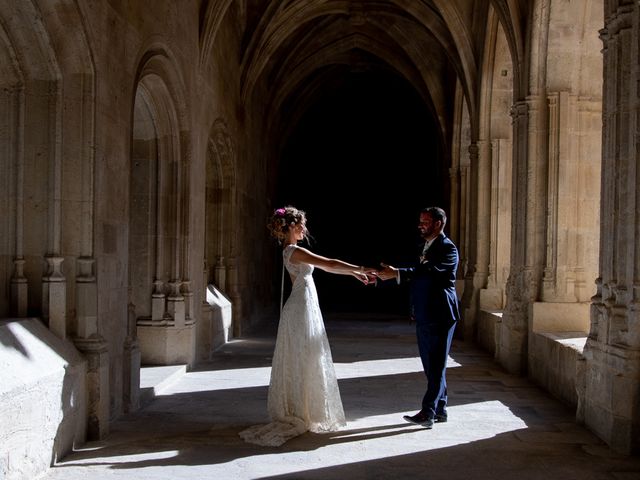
(434, 305)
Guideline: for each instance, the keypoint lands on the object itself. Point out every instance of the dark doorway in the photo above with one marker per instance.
(362, 162)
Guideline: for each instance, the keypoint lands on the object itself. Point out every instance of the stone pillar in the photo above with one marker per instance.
(234, 296)
(465, 194)
(484, 219)
(54, 296)
(131, 364)
(512, 349)
(612, 352)
(96, 352)
(476, 277)
(19, 283)
(492, 297)
(454, 209)
(94, 347)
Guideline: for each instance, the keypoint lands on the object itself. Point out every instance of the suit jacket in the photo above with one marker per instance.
(433, 284)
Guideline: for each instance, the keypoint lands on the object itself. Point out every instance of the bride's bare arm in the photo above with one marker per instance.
(332, 265)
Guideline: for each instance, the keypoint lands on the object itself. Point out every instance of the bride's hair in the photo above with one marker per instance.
(282, 219)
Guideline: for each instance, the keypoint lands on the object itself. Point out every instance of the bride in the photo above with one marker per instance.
(303, 390)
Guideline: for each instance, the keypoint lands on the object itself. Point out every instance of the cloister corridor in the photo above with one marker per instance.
(144, 146)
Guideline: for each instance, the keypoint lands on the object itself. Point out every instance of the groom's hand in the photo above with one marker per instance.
(387, 272)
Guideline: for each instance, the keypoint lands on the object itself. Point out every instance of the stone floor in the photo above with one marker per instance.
(500, 426)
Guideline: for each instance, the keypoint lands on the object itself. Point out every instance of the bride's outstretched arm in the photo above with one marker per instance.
(333, 265)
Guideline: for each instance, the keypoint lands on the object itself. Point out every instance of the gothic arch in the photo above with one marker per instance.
(284, 39)
(511, 14)
(161, 296)
(45, 92)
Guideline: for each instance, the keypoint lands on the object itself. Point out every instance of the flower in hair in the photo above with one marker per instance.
(280, 212)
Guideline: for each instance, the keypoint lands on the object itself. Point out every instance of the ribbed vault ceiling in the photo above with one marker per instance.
(294, 48)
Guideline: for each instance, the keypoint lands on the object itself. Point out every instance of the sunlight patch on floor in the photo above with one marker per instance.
(387, 436)
(259, 377)
(128, 459)
(221, 380)
(393, 366)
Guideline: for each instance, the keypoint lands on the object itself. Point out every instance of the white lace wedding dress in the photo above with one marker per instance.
(303, 391)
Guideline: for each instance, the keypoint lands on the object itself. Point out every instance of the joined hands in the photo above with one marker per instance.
(370, 276)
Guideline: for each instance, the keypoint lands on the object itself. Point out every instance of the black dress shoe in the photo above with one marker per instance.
(440, 418)
(420, 419)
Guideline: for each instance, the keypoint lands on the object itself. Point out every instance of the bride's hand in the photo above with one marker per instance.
(365, 276)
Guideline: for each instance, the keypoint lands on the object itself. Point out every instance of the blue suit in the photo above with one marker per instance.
(434, 306)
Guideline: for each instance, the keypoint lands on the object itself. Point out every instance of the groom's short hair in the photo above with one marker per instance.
(436, 213)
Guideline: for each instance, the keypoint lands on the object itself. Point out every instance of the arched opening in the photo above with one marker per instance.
(159, 296)
(32, 281)
(362, 162)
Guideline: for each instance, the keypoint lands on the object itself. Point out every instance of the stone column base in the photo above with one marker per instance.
(167, 345)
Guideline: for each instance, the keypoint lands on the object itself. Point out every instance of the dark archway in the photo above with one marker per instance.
(361, 162)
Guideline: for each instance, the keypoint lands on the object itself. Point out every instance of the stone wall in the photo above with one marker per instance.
(43, 405)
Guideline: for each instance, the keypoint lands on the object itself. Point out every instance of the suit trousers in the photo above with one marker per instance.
(434, 343)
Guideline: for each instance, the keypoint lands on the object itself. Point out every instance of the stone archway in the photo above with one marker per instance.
(160, 299)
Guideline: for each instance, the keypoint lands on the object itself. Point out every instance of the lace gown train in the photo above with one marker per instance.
(303, 390)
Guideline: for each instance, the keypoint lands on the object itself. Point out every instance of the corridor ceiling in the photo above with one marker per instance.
(292, 48)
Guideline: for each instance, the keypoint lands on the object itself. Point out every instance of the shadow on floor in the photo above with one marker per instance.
(501, 425)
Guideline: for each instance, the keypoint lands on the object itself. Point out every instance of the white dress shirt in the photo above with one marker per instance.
(427, 244)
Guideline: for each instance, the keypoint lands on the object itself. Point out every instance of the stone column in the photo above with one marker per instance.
(484, 218)
(465, 199)
(234, 296)
(131, 364)
(612, 352)
(54, 296)
(512, 349)
(477, 275)
(19, 283)
(469, 302)
(90, 342)
(454, 209)
(96, 352)
(54, 283)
